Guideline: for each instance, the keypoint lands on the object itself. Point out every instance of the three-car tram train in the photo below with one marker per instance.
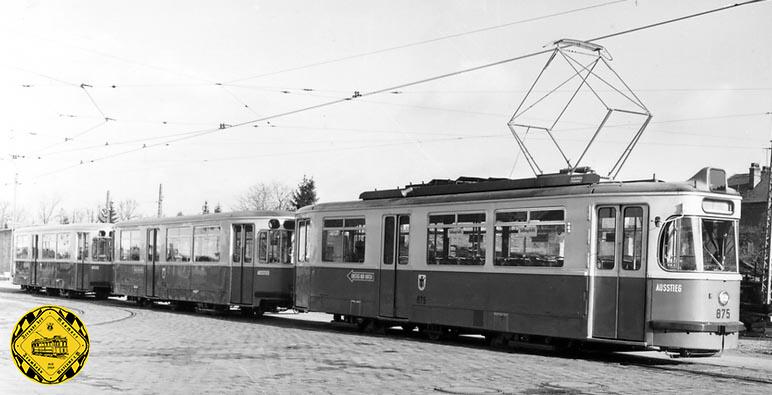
(561, 257)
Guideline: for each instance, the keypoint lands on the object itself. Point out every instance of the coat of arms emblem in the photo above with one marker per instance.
(421, 282)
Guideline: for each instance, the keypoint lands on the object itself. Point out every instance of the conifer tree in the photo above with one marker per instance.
(305, 195)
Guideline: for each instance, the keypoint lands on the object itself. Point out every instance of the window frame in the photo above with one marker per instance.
(301, 236)
(206, 235)
(44, 241)
(696, 241)
(18, 244)
(169, 250)
(139, 244)
(482, 230)
(735, 227)
(355, 232)
(529, 221)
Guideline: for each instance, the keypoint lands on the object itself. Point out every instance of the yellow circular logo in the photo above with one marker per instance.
(50, 344)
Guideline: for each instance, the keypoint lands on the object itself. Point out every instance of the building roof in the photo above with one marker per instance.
(759, 193)
(737, 179)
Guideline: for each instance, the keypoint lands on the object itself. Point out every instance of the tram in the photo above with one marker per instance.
(64, 259)
(560, 257)
(52, 347)
(207, 261)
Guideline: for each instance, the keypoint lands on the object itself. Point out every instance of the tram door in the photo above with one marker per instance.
(242, 264)
(395, 247)
(619, 280)
(150, 262)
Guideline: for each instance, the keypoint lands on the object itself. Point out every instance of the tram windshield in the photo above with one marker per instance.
(718, 246)
(681, 237)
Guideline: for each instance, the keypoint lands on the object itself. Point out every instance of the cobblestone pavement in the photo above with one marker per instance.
(143, 351)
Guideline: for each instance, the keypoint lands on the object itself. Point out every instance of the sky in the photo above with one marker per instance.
(126, 95)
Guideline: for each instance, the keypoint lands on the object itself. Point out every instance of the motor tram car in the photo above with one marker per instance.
(561, 257)
(207, 261)
(52, 347)
(64, 259)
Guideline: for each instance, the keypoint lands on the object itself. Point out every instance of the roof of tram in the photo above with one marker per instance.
(566, 183)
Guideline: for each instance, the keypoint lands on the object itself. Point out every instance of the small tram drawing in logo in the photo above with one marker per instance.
(421, 282)
(54, 347)
(50, 344)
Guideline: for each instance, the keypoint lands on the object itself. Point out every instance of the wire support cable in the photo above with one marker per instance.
(358, 95)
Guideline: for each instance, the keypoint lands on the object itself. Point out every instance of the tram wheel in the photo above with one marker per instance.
(408, 328)
(433, 332)
(361, 323)
(101, 293)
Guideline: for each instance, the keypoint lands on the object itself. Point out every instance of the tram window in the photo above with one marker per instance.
(546, 215)
(345, 243)
(249, 243)
(403, 241)
(512, 216)
(130, 245)
(83, 246)
(178, 246)
(286, 247)
(388, 240)
(206, 244)
(237, 233)
(607, 230)
(22, 246)
(262, 246)
(48, 246)
(302, 238)
(676, 249)
(152, 245)
(520, 242)
(632, 239)
(456, 240)
(275, 245)
(63, 246)
(718, 246)
(102, 249)
(278, 246)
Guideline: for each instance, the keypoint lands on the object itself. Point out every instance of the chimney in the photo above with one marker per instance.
(754, 175)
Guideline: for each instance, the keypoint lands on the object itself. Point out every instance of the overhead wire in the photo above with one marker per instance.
(358, 95)
(91, 98)
(422, 42)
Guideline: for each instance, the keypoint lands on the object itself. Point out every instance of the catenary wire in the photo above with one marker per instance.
(358, 95)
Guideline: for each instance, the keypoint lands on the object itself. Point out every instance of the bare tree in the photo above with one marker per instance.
(266, 196)
(127, 209)
(62, 217)
(85, 214)
(47, 208)
(6, 212)
(7, 219)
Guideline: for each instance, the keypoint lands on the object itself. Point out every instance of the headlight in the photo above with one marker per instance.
(723, 298)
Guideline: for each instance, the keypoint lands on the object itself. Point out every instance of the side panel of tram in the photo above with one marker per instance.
(209, 261)
(67, 257)
(436, 265)
(582, 267)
